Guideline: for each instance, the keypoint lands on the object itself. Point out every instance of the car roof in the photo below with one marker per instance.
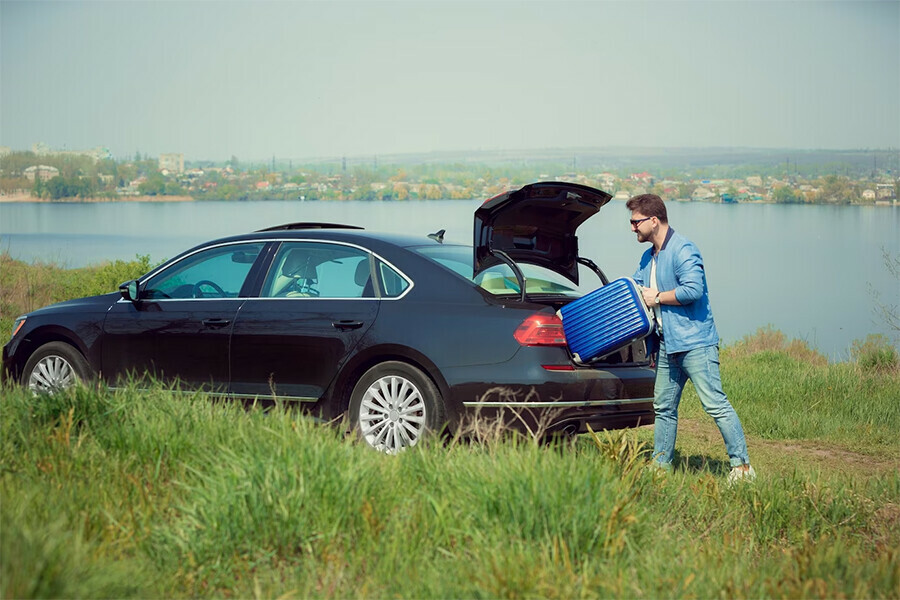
(332, 232)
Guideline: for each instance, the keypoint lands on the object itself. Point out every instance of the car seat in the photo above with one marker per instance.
(298, 275)
(363, 278)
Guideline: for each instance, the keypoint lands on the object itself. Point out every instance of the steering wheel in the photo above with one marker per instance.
(198, 292)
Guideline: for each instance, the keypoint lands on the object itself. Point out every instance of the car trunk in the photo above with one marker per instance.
(536, 224)
(634, 353)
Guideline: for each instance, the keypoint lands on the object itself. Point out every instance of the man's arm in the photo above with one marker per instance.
(688, 274)
(667, 297)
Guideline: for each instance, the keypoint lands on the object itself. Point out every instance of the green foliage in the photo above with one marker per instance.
(837, 190)
(69, 187)
(786, 195)
(26, 287)
(428, 178)
(784, 390)
(159, 185)
(875, 353)
(78, 174)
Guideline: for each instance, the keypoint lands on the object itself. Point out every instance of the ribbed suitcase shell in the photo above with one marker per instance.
(606, 320)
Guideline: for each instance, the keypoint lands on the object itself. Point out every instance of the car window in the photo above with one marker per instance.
(392, 282)
(318, 270)
(213, 273)
(500, 279)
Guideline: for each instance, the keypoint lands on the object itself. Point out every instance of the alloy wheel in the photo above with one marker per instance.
(52, 374)
(392, 414)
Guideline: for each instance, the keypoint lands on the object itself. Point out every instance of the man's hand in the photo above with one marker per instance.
(649, 295)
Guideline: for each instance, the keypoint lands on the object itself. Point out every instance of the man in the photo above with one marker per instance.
(674, 288)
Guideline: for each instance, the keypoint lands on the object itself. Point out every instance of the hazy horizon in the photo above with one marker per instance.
(375, 78)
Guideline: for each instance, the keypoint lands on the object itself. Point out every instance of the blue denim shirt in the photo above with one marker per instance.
(680, 267)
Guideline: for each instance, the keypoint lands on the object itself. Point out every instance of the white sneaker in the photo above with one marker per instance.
(740, 474)
(657, 469)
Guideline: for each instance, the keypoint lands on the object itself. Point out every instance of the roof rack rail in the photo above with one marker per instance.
(289, 226)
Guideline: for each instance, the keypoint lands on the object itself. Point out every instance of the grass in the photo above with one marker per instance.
(25, 287)
(150, 493)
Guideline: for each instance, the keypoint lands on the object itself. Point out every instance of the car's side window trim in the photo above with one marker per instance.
(373, 261)
(260, 259)
(265, 263)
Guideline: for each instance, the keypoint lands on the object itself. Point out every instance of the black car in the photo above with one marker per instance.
(405, 334)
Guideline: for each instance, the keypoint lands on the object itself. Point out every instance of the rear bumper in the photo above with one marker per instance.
(550, 417)
(523, 394)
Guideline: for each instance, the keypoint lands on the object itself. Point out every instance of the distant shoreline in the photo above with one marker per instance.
(29, 198)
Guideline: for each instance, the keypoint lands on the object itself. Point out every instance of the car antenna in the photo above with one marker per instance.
(438, 236)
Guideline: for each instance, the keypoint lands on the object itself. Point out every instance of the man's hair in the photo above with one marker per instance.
(649, 205)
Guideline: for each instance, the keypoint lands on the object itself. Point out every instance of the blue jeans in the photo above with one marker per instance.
(701, 366)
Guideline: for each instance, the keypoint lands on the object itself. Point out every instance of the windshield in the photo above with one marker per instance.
(500, 279)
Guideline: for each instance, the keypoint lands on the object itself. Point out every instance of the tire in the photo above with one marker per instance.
(394, 406)
(54, 367)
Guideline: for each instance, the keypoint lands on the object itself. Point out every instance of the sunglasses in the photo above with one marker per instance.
(636, 222)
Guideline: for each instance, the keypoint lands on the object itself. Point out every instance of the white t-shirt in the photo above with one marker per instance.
(657, 311)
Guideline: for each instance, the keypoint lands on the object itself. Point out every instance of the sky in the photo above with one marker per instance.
(291, 79)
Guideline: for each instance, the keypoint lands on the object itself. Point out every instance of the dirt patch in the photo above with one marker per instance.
(809, 452)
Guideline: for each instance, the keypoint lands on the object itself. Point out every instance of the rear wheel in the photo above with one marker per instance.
(394, 406)
(53, 367)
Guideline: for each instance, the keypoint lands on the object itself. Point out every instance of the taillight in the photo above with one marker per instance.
(541, 330)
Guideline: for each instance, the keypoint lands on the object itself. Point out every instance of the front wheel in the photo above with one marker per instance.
(54, 367)
(394, 406)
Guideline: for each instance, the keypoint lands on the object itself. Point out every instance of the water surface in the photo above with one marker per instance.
(814, 272)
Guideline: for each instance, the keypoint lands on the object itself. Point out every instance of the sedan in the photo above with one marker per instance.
(405, 335)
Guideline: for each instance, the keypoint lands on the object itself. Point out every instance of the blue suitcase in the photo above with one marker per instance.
(606, 320)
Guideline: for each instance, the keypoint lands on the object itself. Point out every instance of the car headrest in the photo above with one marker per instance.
(299, 264)
(362, 273)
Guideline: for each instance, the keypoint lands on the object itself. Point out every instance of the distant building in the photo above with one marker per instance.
(701, 194)
(173, 163)
(645, 178)
(42, 172)
(607, 180)
(884, 191)
(98, 153)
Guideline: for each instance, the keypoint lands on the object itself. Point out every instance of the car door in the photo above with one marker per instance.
(179, 326)
(316, 303)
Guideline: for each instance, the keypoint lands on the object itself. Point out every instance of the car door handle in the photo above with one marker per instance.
(347, 325)
(215, 323)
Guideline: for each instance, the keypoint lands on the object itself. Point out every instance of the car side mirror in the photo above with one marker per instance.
(129, 290)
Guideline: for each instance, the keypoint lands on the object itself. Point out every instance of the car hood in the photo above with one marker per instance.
(88, 304)
(536, 224)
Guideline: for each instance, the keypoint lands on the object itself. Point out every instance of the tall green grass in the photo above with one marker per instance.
(154, 494)
(785, 390)
(25, 287)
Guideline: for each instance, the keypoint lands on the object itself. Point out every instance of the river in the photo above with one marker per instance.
(815, 272)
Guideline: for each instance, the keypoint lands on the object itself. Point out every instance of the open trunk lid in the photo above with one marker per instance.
(535, 224)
